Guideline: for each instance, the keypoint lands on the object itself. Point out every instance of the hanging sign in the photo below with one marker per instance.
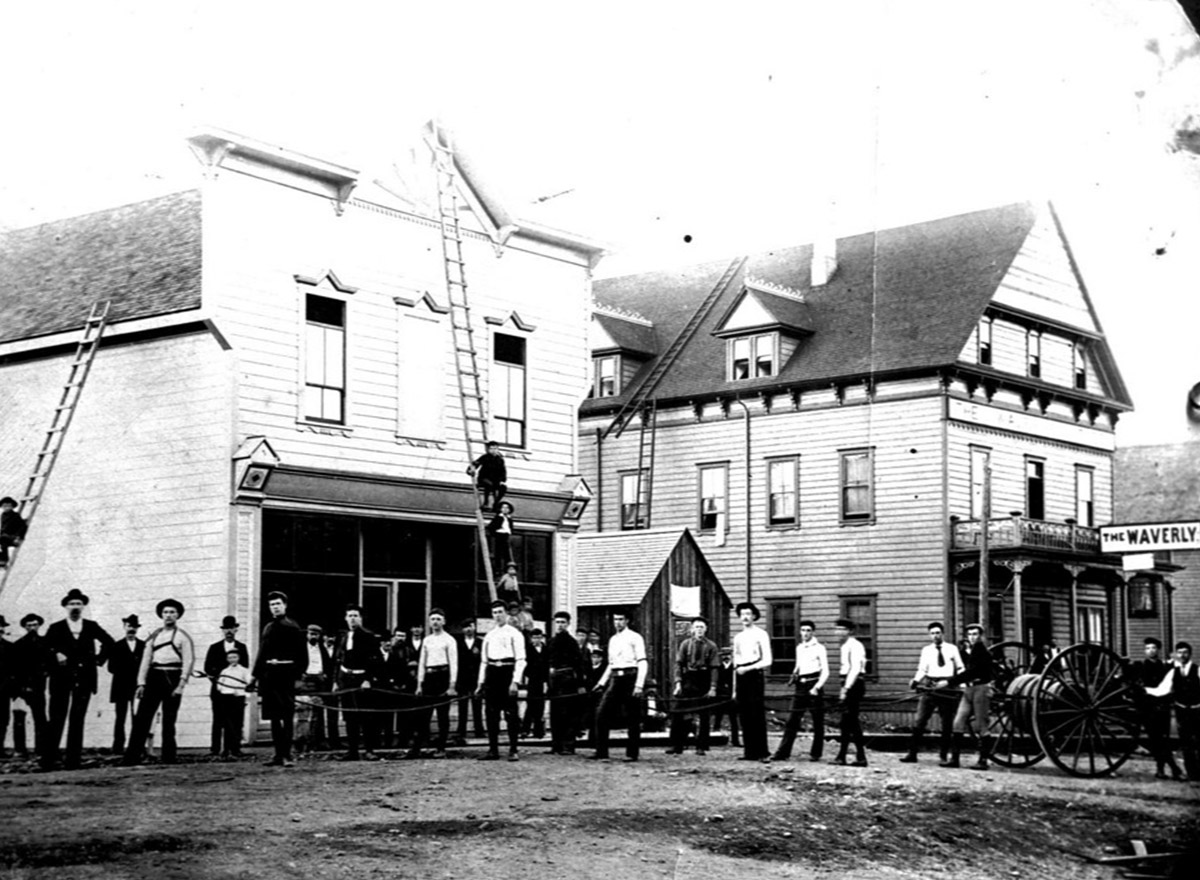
(1148, 537)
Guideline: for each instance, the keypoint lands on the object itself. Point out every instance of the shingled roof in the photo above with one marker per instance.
(901, 299)
(144, 258)
(1156, 483)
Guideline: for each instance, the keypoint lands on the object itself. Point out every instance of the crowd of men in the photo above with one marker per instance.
(395, 690)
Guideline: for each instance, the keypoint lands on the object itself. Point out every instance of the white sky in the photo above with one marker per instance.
(734, 125)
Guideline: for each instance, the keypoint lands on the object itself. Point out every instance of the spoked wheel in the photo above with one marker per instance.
(1084, 712)
(1011, 725)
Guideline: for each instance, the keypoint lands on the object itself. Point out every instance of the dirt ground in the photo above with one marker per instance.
(548, 816)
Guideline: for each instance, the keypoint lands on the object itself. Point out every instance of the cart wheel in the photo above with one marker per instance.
(1011, 728)
(1084, 712)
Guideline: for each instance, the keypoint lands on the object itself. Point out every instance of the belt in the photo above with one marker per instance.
(354, 671)
(437, 668)
(621, 673)
(166, 666)
(561, 669)
(811, 676)
(280, 662)
(502, 663)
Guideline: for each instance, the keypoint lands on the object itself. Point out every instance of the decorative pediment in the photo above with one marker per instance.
(329, 280)
(756, 309)
(424, 299)
(511, 318)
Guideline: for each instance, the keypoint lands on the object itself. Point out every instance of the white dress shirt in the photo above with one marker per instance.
(854, 661)
(812, 659)
(627, 650)
(951, 663)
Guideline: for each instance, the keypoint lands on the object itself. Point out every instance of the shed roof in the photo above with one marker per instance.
(1156, 483)
(617, 568)
(630, 336)
(144, 258)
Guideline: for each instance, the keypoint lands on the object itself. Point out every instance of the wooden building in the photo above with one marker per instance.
(661, 579)
(826, 418)
(274, 404)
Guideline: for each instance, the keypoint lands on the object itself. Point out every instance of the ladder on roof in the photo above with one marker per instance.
(466, 360)
(637, 402)
(649, 422)
(81, 366)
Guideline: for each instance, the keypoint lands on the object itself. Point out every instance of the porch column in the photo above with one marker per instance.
(1016, 566)
(1073, 602)
(1122, 611)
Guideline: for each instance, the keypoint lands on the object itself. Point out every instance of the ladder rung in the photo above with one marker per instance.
(475, 418)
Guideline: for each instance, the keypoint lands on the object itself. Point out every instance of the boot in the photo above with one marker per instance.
(955, 751)
(985, 747)
(911, 757)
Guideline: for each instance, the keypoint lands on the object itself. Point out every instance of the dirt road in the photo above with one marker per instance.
(547, 816)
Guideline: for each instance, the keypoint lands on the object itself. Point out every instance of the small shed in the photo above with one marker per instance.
(661, 578)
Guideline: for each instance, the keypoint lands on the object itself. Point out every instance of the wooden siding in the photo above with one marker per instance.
(259, 236)
(137, 508)
(899, 558)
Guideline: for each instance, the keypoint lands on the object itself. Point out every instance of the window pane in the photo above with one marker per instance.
(334, 360)
(331, 405)
(509, 349)
(312, 402)
(314, 355)
(323, 310)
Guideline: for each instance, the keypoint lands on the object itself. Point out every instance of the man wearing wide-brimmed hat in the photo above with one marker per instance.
(166, 667)
(124, 660)
(77, 646)
(31, 662)
(214, 664)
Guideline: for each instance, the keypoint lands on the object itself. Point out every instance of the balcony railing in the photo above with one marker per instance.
(1020, 531)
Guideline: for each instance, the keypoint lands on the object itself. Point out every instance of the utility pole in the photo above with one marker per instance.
(983, 545)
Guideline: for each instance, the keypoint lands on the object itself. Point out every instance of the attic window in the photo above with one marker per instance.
(606, 384)
(984, 333)
(1079, 364)
(1033, 352)
(752, 356)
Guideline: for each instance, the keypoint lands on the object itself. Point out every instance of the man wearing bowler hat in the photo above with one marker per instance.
(167, 665)
(77, 646)
(124, 660)
(282, 656)
(214, 663)
(31, 663)
(751, 661)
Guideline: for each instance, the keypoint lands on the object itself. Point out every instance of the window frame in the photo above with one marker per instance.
(844, 517)
(783, 647)
(1079, 370)
(793, 521)
(1033, 353)
(644, 519)
(598, 378)
(980, 479)
(1141, 586)
(1088, 520)
(983, 347)
(1035, 461)
(307, 327)
(500, 369)
(753, 341)
(1084, 612)
(869, 641)
(723, 467)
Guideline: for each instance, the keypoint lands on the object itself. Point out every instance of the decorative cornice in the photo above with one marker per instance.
(620, 313)
(761, 285)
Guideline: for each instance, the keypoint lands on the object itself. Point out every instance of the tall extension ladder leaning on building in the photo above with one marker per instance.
(642, 403)
(466, 362)
(81, 366)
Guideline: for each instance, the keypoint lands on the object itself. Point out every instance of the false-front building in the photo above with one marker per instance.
(830, 422)
(274, 404)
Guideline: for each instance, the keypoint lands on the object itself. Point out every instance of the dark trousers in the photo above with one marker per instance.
(230, 710)
(851, 724)
(564, 710)
(491, 493)
(618, 695)
(726, 709)
(433, 691)
(752, 714)
(804, 700)
(502, 553)
(944, 702)
(5, 703)
(278, 688)
(36, 701)
(331, 724)
(692, 693)
(360, 726)
(1189, 739)
(120, 714)
(160, 691)
(69, 700)
(497, 699)
(473, 704)
(534, 723)
(310, 709)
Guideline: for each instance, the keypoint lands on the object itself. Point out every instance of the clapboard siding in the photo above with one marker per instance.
(1040, 280)
(137, 508)
(259, 236)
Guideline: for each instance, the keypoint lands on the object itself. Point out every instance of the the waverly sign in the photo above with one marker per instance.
(1143, 538)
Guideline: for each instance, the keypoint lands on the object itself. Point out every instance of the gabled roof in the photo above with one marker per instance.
(1156, 483)
(144, 258)
(901, 299)
(617, 568)
(629, 336)
(776, 312)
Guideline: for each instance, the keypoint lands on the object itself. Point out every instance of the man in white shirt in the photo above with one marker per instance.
(938, 664)
(808, 678)
(1182, 682)
(502, 663)
(315, 680)
(751, 660)
(437, 671)
(853, 670)
(621, 684)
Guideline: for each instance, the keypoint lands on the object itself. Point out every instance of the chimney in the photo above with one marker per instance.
(824, 249)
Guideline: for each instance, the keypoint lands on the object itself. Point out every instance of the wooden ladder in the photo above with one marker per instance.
(81, 366)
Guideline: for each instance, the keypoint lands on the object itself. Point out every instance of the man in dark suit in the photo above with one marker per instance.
(214, 662)
(280, 662)
(537, 671)
(31, 663)
(469, 647)
(7, 681)
(77, 646)
(356, 657)
(1155, 711)
(123, 661)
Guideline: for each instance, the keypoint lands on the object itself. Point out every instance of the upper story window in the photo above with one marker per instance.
(857, 486)
(606, 382)
(751, 357)
(324, 360)
(984, 335)
(783, 491)
(1085, 499)
(1033, 353)
(1079, 365)
(713, 491)
(508, 389)
(635, 512)
(980, 473)
(1035, 488)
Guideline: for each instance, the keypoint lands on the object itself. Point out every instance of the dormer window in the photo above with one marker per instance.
(1079, 366)
(606, 382)
(1033, 353)
(984, 333)
(751, 357)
